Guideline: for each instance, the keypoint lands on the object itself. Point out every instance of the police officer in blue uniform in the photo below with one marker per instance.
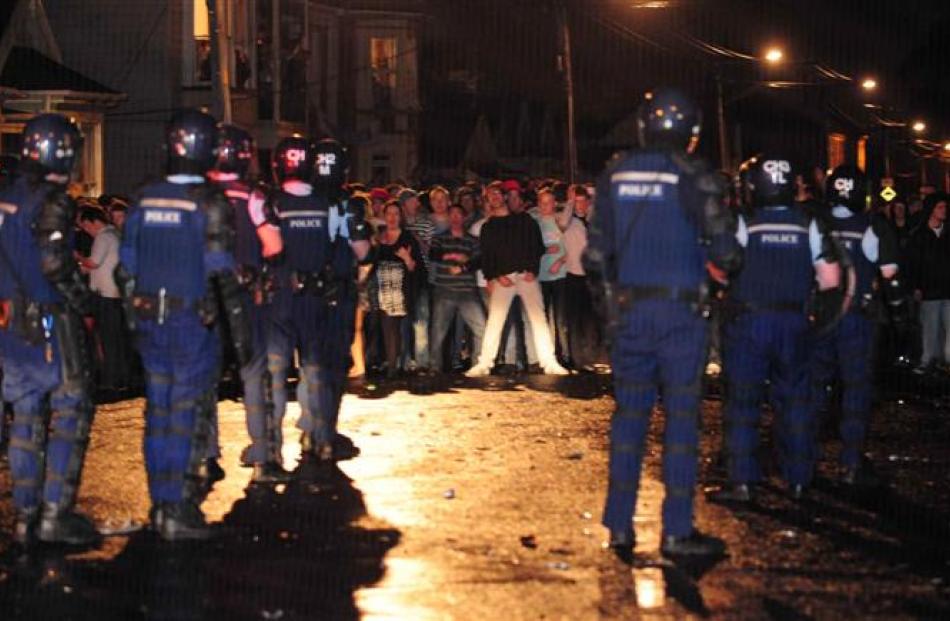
(231, 175)
(846, 352)
(176, 268)
(658, 228)
(299, 313)
(349, 242)
(766, 335)
(46, 360)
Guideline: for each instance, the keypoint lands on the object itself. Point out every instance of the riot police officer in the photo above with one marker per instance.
(847, 350)
(349, 242)
(659, 226)
(46, 360)
(299, 313)
(765, 336)
(176, 267)
(231, 172)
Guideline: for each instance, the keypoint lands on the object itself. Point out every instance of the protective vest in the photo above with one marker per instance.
(778, 268)
(657, 243)
(164, 243)
(304, 229)
(20, 205)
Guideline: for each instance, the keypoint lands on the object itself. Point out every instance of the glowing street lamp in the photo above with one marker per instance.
(774, 55)
(919, 126)
(869, 84)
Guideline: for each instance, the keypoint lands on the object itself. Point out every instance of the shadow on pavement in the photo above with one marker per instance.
(286, 552)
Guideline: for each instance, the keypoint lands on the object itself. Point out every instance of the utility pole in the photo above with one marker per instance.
(724, 162)
(566, 66)
(220, 55)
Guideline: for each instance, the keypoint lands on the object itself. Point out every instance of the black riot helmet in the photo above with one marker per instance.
(330, 165)
(235, 150)
(668, 119)
(770, 180)
(51, 143)
(293, 160)
(191, 143)
(847, 186)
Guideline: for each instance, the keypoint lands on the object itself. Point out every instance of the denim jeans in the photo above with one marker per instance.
(934, 316)
(445, 304)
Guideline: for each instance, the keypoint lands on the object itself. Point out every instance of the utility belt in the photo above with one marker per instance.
(259, 283)
(739, 308)
(157, 308)
(30, 320)
(627, 297)
(325, 285)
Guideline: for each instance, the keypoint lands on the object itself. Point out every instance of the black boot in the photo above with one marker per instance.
(60, 525)
(622, 539)
(155, 516)
(24, 530)
(694, 544)
(213, 471)
(183, 521)
(270, 473)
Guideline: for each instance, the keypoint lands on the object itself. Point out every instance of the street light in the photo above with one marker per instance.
(946, 147)
(869, 84)
(774, 55)
(919, 126)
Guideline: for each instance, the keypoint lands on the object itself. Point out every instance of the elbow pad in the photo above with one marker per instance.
(51, 232)
(219, 235)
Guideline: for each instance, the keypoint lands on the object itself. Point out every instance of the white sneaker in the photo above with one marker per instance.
(555, 369)
(478, 371)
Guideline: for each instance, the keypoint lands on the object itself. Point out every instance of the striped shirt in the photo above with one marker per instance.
(448, 244)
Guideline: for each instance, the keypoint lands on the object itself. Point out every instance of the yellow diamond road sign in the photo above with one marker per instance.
(888, 194)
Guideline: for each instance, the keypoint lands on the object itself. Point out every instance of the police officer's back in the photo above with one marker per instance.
(658, 226)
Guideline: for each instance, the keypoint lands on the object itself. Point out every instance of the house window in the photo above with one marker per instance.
(383, 64)
(265, 58)
(862, 153)
(836, 148)
(201, 34)
(380, 168)
(293, 61)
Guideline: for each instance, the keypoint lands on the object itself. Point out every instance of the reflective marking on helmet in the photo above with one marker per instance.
(55, 236)
(777, 228)
(8, 207)
(844, 186)
(169, 203)
(777, 169)
(646, 176)
(324, 162)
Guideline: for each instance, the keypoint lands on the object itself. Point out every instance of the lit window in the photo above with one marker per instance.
(383, 63)
(836, 145)
(201, 33)
(862, 153)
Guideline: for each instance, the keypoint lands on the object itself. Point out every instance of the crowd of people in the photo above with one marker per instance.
(327, 278)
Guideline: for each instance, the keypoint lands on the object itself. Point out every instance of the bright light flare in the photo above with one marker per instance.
(919, 126)
(869, 84)
(774, 55)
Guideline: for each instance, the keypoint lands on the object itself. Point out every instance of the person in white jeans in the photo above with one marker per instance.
(501, 293)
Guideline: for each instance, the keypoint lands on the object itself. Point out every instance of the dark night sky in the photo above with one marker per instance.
(620, 50)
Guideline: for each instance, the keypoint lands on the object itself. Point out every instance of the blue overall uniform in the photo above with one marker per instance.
(847, 351)
(250, 268)
(51, 416)
(767, 339)
(340, 329)
(646, 239)
(164, 248)
(298, 319)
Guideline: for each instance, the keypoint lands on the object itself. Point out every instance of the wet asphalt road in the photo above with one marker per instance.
(481, 500)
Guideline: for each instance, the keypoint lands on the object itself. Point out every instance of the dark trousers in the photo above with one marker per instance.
(555, 308)
(114, 358)
(392, 339)
(584, 334)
